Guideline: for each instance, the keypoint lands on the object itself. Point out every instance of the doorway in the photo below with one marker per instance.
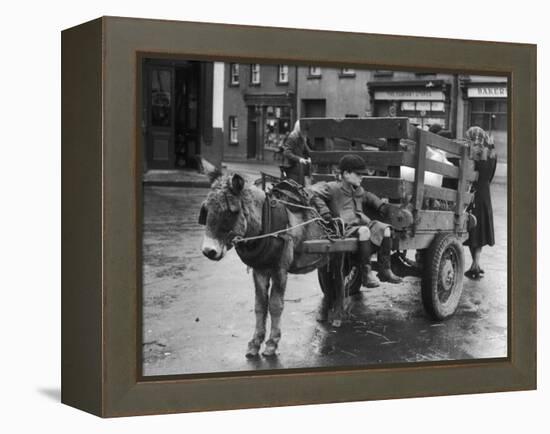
(315, 108)
(252, 134)
(171, 113)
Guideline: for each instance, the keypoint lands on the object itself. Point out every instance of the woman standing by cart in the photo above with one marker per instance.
(483, 234)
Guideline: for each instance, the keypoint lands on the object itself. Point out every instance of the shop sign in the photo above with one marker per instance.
(403, 95)
(488, 92)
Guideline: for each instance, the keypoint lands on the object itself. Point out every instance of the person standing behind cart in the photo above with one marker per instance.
(296, 155)
(483, 234)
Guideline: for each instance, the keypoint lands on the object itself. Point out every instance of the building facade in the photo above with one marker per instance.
(332, 92)
(259, 109)
(455, 101)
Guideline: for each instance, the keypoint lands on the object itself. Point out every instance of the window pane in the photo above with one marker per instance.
(234, 73)
(490, 106)
(500, 122)
(503, 106)
(283, 73)
(233, 129)
(255, 73)
(477, 105)
(438, 107)
(480, 120)
(423, 106)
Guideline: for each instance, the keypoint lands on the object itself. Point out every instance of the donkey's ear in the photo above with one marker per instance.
(237, 183)
(210, 170)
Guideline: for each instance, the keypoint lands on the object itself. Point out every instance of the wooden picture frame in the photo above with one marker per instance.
(101, 220)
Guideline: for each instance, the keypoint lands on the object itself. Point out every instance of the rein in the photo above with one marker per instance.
(238, 239)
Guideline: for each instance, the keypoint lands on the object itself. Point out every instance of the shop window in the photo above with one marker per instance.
(233, 130)
(255, 74)
(423, 113)
(489, 114)
(234, 73)
(283, 74)
(314, 72)
(277, 125)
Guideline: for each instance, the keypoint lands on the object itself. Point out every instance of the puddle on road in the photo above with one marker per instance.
(155, 351)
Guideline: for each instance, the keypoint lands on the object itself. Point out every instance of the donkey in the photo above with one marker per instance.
(233, 210)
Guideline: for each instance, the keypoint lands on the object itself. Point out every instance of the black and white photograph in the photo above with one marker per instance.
(303, 216)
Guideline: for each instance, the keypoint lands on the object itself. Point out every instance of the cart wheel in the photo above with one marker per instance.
(442, 276)
(351, 275)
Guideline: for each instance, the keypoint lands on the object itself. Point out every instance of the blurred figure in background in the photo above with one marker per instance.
(296, 156)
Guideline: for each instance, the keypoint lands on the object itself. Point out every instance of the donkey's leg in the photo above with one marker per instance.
(261, 285)
(276, 304)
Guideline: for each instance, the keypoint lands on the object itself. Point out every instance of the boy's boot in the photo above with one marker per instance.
(368, 278)
(384, 263)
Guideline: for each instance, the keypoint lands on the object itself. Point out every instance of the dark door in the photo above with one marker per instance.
(159, 119)
(252, 133)
(315, 108)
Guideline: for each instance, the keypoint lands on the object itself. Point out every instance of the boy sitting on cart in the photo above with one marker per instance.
(345, 199)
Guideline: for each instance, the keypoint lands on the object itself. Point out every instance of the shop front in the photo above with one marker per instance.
(486, 106)
(270, 119)
(424, 102)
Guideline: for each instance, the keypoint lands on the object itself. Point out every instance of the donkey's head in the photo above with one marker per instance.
(222, 215)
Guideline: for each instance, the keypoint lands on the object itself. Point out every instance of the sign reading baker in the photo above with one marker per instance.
(488, 92)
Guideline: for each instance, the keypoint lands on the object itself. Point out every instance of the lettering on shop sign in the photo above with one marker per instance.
(488, 92)
(404, 95)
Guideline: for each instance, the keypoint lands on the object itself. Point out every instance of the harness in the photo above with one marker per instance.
(265, 250)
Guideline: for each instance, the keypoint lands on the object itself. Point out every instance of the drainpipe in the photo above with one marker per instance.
(454, 105)
(296, 93)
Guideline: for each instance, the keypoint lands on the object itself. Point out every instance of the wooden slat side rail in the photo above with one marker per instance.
(377, 143)
(320, 177)
(397, 188)
(381, 160)
(429, 220)
(325, 246)
(440, 142)
(358, 128)
(373, 159)
(394, 189)
(446, 170)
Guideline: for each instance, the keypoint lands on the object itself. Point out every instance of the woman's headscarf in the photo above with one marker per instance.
(478, 136)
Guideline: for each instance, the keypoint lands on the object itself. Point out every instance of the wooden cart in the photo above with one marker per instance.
(430, 219)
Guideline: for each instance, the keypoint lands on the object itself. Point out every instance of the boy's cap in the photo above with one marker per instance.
(351, 163)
